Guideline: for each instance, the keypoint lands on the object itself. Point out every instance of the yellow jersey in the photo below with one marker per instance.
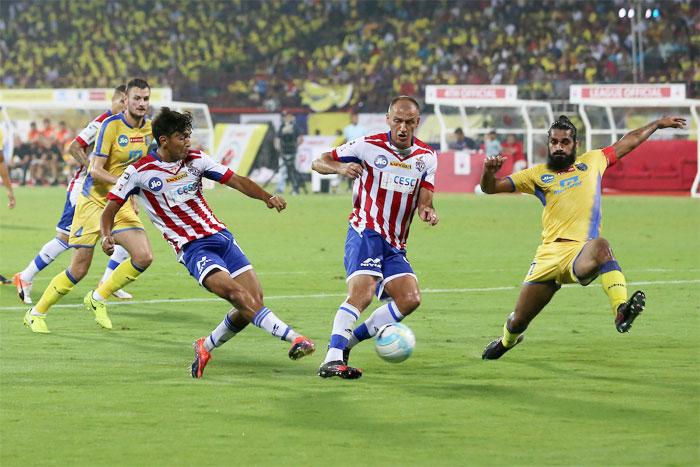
(122, 145)
(571, 198)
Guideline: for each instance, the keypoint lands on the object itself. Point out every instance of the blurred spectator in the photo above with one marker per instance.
(354, 130)
(492, 146)
(462, 141)
(513, 150)
(288, 139)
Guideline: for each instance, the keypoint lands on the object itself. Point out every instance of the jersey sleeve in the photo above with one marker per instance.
(524, 181)
(87, 136)
(428, 180)
(349, 152)
(126, 186)
(105, 138)
(213, 170)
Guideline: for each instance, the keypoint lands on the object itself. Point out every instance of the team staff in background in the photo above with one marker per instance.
(394, 177)
(5, 174)
(123, 139)
(572, 249)
(169, 182)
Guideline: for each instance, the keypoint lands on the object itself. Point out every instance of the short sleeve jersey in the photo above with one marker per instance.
(121, 145)
(571, 198)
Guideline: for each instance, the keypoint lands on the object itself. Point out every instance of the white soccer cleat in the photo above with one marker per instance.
(24, 289)
(122, 294)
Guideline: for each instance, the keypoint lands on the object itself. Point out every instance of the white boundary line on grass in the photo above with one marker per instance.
(328, 295)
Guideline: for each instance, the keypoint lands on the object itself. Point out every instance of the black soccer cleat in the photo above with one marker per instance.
(628, 311)
(337, 368)
(346, 355)
(495, 349)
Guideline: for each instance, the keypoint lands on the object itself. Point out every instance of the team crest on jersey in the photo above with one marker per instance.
(123, 140)
(380, 161)
(420, 164)
(193, 170)
(582, 167)
(155, 184)
(547, 178)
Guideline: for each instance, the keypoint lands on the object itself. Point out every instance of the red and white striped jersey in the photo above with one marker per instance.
(386, 195)
(87, 136)
(172, 195)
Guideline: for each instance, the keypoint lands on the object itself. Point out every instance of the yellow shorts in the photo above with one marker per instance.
(85, 230)
(555, 262)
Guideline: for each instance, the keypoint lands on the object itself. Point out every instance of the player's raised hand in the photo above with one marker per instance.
(494, 164)
(428, 214)
(671, 122)
(351, 170)
(276, 202)
(108, 245)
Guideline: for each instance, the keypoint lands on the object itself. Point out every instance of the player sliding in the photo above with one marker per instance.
(169, 182)
(572, 249)
(394, 175)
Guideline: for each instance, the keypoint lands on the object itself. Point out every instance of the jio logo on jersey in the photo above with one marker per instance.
(155, 184)
(123, 140)
(547, 178)
(380, 161)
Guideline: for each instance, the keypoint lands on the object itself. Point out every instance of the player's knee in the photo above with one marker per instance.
(408, 302)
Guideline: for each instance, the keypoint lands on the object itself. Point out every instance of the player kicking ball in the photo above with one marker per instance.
(572, 249)
(169, 183)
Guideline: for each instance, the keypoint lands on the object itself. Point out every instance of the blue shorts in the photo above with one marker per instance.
(368, 253)
(218, 251)
(66, 220)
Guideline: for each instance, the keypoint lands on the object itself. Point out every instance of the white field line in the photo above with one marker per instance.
(333, 295)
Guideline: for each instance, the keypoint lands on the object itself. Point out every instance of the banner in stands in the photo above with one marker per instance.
(8, 96)
(311, 148)
(238, 145)
(582, 93)
(442, 93)
(320, 98)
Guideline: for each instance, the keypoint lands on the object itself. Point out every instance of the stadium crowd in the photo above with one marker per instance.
(259, 53)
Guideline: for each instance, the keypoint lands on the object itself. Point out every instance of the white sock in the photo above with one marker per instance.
(344, 320)
(47, 254)
(118, 257)
(33, 312)
(267, 320)
(385, 314)
(219, 336)
(98, 297)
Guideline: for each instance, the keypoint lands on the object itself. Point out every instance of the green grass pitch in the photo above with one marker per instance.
(574, 393)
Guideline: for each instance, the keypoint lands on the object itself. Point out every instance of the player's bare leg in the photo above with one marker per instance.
(360, 293)
(595, 258)
(244, 292)
(532, 299)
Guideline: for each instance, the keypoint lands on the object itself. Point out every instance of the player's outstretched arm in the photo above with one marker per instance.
(489, 182)
(106, 224)
(636, 137)
(249, 188)
(327, 165)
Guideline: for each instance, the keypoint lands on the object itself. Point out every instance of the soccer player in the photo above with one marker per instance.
(572, 249)
(169, 182)
(5, 174)
(57, 245)
(394, 177)
(122, 140)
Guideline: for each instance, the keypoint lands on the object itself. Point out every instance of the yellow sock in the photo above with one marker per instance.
(59, 286)
(615, 287)
(123, 275)
(509, 338)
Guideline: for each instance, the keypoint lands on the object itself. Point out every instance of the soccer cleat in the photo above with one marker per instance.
(99, 309)
(24, 289)
(201, 357)
(495, 349)
(301, 347)
(628, 311)
(346, 355)
(122, 294)
(36, 323)
(337, 368)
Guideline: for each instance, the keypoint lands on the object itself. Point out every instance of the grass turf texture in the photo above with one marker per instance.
(575, 392)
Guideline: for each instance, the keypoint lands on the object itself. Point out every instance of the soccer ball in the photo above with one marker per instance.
(394, 342)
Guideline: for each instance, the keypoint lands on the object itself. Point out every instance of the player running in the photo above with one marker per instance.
(57, 245)
(572, 249)
(394, 176)
(169, 182)
(122, 140)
